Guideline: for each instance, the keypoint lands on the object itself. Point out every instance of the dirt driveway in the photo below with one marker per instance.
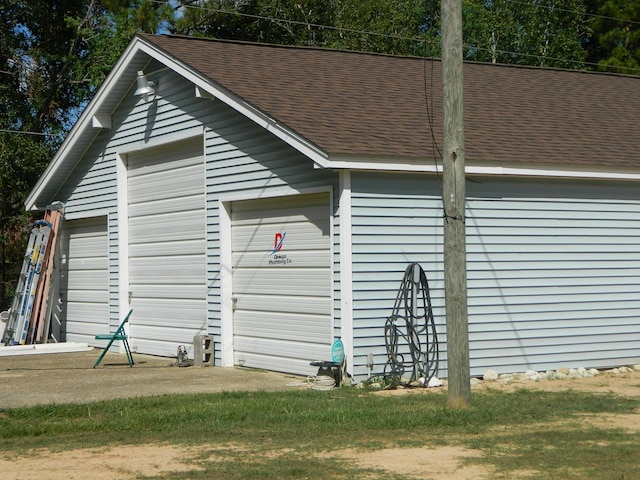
(69, 377)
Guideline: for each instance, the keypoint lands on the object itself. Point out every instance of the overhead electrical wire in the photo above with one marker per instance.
(294, 22)
(566, 10)
(420, 39)
(24, 132)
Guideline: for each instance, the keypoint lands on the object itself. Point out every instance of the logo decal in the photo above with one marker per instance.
(277, 244)
(276, 257)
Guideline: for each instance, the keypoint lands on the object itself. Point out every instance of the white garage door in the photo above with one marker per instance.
(167, 265)
(282, 282)
(84, 280)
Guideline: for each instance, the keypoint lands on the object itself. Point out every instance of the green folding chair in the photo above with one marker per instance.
(112, 337)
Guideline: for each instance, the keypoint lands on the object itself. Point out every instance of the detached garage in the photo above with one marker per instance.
(273, 197)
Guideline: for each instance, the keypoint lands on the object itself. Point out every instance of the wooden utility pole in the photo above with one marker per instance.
(453, 193)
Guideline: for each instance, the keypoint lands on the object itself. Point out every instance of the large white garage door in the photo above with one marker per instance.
(282, 282)
(84, 280)
(167, 265)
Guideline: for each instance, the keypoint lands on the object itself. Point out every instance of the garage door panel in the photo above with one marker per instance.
(87, 247)
(163, 343)
(84, 279)
(167, 260)
(88, 264)
(309, 282)
(177, 264)
(162, 249)
(166, 206)
(283, 303)
(91, 329)
(164, 281)
(85, 312)
(273, 207)
(282, 318)
(87, 295)
(176, 292)
(279, 325)
(149, 237)
(170, 313)
(167, 228)
(275, 363)
(286, 349)
(280, 355)
(176, 183)
(147, 165)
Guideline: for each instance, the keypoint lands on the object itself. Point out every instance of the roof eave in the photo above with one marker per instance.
(476, 168)
(83, 124)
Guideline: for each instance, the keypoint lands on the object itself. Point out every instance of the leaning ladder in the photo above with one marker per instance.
(40, 318)
(28, 290)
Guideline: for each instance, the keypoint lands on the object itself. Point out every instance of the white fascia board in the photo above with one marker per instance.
(84, 122)
(554, 173)
(425, 165)
(384, 164)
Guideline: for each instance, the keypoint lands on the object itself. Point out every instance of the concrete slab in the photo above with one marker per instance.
(71, 378)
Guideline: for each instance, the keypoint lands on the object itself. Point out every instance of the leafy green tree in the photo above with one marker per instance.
(38, 52)
(111, 27)
(53, 55)
(552, 32)
(615, 43)
(548, 33)
(286, 22)
(383, 26)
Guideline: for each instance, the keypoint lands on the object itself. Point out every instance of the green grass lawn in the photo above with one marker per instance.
(546, 434)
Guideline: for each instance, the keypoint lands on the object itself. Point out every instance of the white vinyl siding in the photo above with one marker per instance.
(396, 220)
(554, 279)
(167, 247)
(282, 318)
(84, 277)
(553, 268)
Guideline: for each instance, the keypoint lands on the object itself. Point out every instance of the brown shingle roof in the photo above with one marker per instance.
(350, 103)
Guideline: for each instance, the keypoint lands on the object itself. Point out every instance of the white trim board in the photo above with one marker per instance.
(66, 347)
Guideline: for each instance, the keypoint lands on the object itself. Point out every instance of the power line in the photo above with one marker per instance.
(23, 132)
(630, 70)
(543, 57)
(297, 22)
(566, 10)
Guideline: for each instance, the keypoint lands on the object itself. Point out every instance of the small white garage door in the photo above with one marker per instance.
(84, 280)
(282, 282)
(167, 264)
